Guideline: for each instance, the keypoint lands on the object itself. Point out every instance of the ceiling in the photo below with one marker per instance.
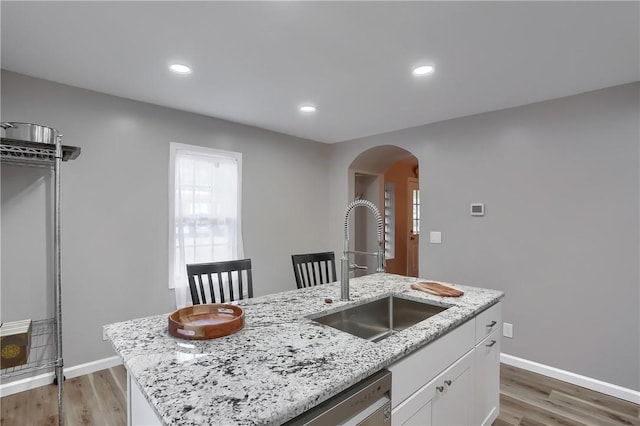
(256, 62)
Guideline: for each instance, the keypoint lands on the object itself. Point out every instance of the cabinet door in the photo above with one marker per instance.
(452, 404)
(445, 400)
(487, 378)
(415, 410)
(422, 417)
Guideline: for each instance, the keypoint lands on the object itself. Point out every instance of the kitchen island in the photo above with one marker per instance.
(281, 363)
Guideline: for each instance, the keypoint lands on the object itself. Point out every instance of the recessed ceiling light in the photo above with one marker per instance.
(307, 108)
(423, 70)
(180, 69)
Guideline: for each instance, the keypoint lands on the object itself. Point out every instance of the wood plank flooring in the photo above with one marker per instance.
(527, 399)
(96, 399)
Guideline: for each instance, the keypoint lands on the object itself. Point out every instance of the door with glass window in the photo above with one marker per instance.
(413, 242)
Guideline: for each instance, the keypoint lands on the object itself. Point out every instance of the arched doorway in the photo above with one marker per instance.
(387, 175)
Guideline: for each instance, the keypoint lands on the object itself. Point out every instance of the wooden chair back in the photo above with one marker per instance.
(222, 282)
(314, 268)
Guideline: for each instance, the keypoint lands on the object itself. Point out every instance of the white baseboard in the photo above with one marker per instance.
(573, 378)
(20, 385)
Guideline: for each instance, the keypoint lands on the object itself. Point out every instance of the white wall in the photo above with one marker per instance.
(115, 207)
(560, 183)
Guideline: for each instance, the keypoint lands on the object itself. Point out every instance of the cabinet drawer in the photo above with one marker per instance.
(413, 371)
(488, 321)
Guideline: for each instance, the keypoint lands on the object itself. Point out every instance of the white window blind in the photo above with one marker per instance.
(204, 225)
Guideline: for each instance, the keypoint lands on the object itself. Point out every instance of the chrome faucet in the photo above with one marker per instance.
(345, 267)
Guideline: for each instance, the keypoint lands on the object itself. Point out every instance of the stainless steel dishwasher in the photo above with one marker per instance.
(367, 403)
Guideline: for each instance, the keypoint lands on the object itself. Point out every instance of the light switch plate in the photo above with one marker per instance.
(435, 237)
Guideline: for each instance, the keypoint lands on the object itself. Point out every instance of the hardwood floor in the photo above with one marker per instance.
(527, 399)
(96, 399)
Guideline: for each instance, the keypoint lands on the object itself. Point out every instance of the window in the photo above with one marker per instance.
(389, 220)
(204, 215)
(415, 217)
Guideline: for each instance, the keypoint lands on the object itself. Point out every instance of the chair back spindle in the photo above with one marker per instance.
(314, 268)
(220, 282)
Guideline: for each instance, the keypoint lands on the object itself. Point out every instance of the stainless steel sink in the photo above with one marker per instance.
(378, 319)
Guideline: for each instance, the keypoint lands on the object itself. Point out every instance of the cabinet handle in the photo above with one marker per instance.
(491, 324)
(447, 382)
(440, 388)
(493, 342)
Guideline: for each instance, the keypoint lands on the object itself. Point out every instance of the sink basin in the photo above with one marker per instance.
(379, 319)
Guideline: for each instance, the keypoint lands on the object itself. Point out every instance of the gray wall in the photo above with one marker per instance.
(560, 183)
(115, 207)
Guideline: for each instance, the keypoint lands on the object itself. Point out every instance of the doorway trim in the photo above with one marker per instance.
(375, 161)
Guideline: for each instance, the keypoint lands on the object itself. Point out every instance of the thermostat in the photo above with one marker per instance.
(477, 209)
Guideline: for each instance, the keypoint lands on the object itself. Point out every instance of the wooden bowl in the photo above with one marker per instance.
(209, 321)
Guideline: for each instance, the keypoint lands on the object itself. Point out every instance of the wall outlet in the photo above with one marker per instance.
(104, 333)
(507, 330)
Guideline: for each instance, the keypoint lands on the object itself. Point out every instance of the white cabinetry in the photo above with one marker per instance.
(488, 321)
(443, 401)
(420, 367)
(453, 392)
(455, 380)
(487, 366)
(139, 411)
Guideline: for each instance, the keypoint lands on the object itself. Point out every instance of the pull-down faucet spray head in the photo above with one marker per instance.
(344, 261)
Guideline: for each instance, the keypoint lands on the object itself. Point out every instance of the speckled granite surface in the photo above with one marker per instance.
(281, 363)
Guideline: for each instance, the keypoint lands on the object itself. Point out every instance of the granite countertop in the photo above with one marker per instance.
(281, 363)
